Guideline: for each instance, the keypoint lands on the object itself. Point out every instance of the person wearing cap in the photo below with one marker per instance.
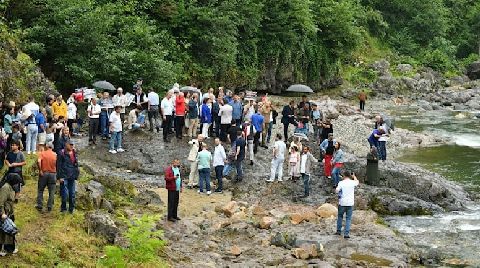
(8, 188)
(47, 166)
(59, 108)
(120, 99)
(67, 173)
(116, 130)
(93, 112)
(153, 110)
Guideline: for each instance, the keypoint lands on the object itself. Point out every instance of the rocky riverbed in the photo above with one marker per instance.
(255, 224)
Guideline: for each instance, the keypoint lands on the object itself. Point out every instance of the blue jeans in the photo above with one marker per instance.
(104, 124)
(67, 191)
(219, 176)
(116, 140)
(269, 131)
(306, 184)
(141, 118)
(238, 165)
(382, 150)
(32, 134)
(204, 175)
(344, 210)
(336, 175)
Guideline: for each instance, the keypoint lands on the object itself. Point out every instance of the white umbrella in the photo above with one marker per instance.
(300, 89)
(190, 89)
(104, 85)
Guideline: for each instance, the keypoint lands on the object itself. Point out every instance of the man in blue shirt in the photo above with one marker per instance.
(258, 123)
(237, 110)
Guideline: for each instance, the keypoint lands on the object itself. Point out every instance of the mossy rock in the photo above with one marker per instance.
(118, 186)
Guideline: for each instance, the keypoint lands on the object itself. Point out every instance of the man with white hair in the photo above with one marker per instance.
(153, 110)
(120, 100)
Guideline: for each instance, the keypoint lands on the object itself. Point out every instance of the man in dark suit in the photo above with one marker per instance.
(288, 117)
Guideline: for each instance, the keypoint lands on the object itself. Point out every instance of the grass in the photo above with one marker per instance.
(51, 239)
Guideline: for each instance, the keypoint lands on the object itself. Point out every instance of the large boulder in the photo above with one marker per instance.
(473, 70)
(148, 197)
(102, 224)
(327, 211)
(381, 66)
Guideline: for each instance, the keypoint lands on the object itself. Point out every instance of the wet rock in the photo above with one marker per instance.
(235, 250)
(102, 224)
(327, 211)
(266, 222)
(230, 208)
(148, 197)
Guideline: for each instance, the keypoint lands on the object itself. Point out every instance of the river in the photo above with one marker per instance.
(455, 234)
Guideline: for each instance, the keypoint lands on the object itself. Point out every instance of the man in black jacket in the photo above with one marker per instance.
(67, 174)
(288, 117)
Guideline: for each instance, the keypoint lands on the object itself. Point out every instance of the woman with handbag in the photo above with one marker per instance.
(7, 227)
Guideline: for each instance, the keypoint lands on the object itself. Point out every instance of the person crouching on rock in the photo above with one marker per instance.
(173, 183)
(346, 193)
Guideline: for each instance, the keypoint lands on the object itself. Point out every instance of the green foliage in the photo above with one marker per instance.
(144, 246)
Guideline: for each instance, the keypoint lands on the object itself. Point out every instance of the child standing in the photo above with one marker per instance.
(294, 163)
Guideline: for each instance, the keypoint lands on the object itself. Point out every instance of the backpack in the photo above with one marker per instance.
(9, 227)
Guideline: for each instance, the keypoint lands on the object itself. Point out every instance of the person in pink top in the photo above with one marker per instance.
(180, 109)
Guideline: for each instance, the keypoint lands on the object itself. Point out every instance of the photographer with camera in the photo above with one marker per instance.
(346, 195)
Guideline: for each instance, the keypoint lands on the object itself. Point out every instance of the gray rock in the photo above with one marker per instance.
(95, 191)
(148, 197)
(404, 68)
(102, 224)
(106, 205)
(473, 70)
(382, 66)
(285, 240)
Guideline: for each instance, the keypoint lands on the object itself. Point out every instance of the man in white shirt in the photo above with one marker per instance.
(120, 100)
(31, 110)
(219, 158)
(153, 110)
(346, 193)
(116, 130)
(93, 112)
(225, 114)
(167, 113)
(279, 149)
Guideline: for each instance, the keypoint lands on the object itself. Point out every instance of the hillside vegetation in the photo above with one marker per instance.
(261, 44)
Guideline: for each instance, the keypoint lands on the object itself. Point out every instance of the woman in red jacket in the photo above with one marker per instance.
(173, 183)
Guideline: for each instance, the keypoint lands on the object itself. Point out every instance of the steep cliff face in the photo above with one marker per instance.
(19, 75)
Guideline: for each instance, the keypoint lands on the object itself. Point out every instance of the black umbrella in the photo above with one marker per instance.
(104, 85)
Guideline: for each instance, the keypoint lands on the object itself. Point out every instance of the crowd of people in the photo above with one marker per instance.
(45, 133)
(239, 125)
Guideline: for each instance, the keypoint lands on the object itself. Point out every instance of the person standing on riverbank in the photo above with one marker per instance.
(306, 160)
(93, 111)
(47, 166)
(192, 158)
(337, 163)
(67, 173)
(153, 110)
(362, 97)
(204, 159)
(346, 192)
(116, 129)
(382, 140)
(167, 108)
(173, 184)
(258, 126)
(328, 148)
(205, 117)
(288, 117)
(235, 157)
(279, 149)
(219, 159)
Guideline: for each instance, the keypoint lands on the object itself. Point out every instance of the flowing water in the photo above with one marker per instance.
(456, 234)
